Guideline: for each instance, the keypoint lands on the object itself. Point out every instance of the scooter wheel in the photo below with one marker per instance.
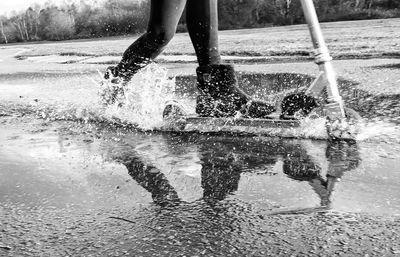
(297, 105)
(173, 110)
(174, 116)
(346, 129)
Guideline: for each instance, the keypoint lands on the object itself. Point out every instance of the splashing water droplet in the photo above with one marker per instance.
(379, 130)
(140, 101)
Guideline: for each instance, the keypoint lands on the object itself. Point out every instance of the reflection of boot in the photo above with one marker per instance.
(154, 181)
(219, 178)
(221, 97)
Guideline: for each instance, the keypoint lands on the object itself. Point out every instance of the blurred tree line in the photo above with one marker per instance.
(121, 17)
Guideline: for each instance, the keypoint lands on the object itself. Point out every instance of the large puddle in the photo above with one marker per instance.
(62, 164)
(292, 173)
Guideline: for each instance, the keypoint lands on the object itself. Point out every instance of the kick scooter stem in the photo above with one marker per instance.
(323, 59)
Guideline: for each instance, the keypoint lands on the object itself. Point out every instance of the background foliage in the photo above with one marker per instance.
(121, 17)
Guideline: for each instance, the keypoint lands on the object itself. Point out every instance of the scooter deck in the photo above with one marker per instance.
(269, 126)
(178, 119)
(242, 122)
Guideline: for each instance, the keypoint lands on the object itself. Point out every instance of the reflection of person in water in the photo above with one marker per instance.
(223, 161)
(153, 180)
(220, 175)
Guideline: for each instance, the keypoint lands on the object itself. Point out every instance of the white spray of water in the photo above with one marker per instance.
(379, 130)
(141, 101)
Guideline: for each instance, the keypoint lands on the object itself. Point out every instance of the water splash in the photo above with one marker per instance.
(379, 130)
(141, 101)
(313, 128)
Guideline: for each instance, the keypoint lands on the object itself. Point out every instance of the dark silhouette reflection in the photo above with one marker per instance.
(341, 156)
(220, 172)
(224, 159)
(153, 180)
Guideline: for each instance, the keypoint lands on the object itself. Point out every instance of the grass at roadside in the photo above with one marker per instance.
(350, 39)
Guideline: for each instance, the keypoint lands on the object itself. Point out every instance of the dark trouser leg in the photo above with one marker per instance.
(164, 18)
(202, 23)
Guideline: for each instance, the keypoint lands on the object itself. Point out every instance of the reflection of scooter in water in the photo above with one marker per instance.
(223, 159)
(339, 157)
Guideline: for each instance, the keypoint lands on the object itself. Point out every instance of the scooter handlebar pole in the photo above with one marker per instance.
(322, 57)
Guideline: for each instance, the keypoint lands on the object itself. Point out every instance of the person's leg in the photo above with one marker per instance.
(164, 18)
(217, 83)
(202, 23)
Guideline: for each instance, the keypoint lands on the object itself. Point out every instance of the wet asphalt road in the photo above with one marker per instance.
(71, 189)
(86, 189)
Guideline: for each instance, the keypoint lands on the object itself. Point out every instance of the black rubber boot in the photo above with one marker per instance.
(118, 74)
(221, 97)
(116, 78)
